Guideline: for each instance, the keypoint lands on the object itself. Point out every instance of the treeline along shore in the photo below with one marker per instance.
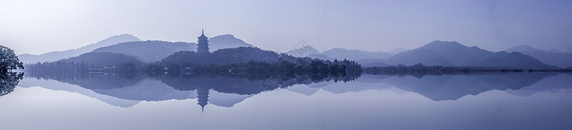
(419, 70)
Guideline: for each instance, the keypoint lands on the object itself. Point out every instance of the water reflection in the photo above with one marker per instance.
(8, 81)
(502, 101)
(450, 87)
(141, 87)
(235, 89)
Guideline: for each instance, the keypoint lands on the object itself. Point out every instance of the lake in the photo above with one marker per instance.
(488, 101)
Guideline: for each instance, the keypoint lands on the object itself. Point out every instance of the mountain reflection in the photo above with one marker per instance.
(237, 85)
(453, 87)
(183, 86)
(238, 88)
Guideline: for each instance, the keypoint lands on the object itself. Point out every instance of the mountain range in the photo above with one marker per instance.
(551, 57)
(151, 51)
(146, 51)
(442, 53)
(436, 53)
(366, 59)
(57, 55)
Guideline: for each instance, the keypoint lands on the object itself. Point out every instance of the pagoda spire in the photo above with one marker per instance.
(203, 43)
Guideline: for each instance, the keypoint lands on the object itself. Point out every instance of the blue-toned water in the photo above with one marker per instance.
(496, 101)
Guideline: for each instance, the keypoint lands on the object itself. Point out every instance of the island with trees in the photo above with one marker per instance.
(8, 62)
(243, 62)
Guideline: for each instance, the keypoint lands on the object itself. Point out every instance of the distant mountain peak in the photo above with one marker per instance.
(451, 47)
(303, 51)
(125, 35)
(115, 39)
(443, 44)
(225, 36)
(226, 41)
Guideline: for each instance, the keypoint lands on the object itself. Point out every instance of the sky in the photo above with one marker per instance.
(40, 26)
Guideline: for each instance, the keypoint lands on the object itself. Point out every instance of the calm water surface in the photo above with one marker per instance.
(508, 101)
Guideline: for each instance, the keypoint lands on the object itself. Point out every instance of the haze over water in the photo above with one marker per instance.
(438, 65)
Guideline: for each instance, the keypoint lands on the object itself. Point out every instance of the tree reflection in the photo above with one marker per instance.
(242, 79)
(9, 81)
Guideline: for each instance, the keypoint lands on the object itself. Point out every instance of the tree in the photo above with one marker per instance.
(9, 60)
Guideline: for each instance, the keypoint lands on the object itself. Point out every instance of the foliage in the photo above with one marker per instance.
(223, 56)
(9, 60)
(81, 66)
(251, 61)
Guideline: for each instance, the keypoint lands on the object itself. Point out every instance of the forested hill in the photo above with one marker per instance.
(242, 61)
(79, 66)
(148, 51)
(224, 56)
(250, 54)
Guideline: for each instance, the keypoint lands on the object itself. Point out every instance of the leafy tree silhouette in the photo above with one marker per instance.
(9, 61)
